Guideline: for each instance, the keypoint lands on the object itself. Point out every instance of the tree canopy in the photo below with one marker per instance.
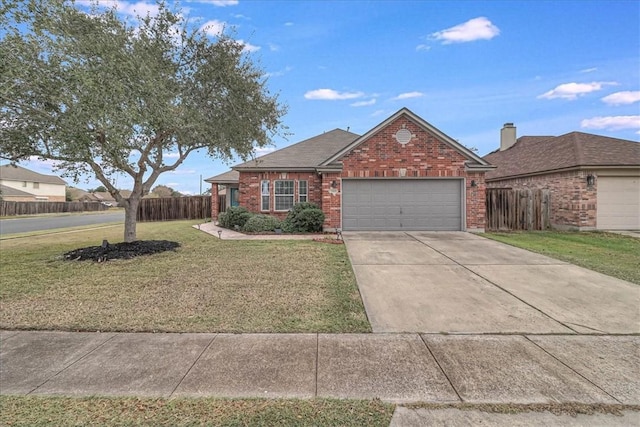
(101, 95)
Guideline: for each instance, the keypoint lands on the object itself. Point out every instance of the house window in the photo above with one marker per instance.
(264, 191)
(36, 185)
(283, 195)
(303, 191)
(24, 183)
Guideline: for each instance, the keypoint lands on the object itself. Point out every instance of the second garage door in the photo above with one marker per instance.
(402, 204)
(618, 203)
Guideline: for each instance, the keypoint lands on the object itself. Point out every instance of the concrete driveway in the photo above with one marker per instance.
(456, 282)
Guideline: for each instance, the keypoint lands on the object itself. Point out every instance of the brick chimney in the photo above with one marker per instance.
(507, 136)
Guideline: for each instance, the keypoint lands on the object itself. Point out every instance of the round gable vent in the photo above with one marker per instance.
(403, 136)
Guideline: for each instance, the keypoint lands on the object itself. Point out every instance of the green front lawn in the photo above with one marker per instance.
(65, 411)
(608, 253)
(207, 285)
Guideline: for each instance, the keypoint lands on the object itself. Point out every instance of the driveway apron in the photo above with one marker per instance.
(456, 282)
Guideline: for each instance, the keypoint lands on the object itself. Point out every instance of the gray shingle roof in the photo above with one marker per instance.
(307, 154)
(18, 173)
(224, 178)
(544, 154)
(10, 191)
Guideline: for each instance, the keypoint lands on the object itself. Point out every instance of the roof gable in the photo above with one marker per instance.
(473, 159)
(531, 155)
(307, 154)
(18, 173)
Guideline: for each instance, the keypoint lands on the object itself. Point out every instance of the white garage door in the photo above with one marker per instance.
(618, 203)
(402, 204)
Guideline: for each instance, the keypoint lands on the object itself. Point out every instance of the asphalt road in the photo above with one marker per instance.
(50, 222)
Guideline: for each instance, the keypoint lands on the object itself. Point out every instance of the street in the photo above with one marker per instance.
(50, 222)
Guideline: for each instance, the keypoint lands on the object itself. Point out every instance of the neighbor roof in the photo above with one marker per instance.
(229, 177)
(18, 173)
(10, 191)
(535, 154)
(308, 154)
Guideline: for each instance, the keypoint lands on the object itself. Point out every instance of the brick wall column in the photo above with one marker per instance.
(331, 200)
(214, 202)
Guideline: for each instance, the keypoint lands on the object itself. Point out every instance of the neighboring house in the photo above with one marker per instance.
(23, 185)
(404, 174)
(103, 197)
(594, 180)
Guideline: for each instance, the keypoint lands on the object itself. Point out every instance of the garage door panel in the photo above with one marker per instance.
(618, 203)
(432, 204)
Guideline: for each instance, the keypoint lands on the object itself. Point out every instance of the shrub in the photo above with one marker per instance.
(304, 217)
(235, 215)
(259, 223)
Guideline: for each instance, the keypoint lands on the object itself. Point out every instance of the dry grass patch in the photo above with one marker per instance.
(207, 285)
(63, 411)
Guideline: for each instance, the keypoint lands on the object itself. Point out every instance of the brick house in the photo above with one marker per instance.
(19, 184)
(403, 174)
(594, 180)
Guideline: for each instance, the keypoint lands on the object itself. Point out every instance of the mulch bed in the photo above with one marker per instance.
(124, 250)
(331, 240)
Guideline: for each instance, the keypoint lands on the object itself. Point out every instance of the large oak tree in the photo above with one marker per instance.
(102, 95)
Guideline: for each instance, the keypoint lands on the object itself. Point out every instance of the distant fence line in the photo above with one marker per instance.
(174, 208)
(522, 209)
(8, 208)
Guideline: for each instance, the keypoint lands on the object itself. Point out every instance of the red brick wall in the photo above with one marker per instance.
(573, 203)
(249, 189)
(424, 156)
(214, 202)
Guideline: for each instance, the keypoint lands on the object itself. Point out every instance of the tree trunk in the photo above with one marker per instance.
(130, 212)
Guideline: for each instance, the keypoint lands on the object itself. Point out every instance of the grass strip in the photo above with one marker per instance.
(608, 253)
(67, 411)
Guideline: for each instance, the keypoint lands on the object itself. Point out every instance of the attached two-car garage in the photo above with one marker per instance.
(402, 204)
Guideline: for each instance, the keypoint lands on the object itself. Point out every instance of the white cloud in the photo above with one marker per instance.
(288, 24)
(213, 28)
(171, 155)
(572, 90)
(241, 16)
(378, 113)
(261, 151)
(423, 47)
(274, 47)
(182, 172)
(172, 184)
(589, 70)
(219, 3)
(279, 73)
(248, 47)
(408, 95)
(612, 122)
(622, 98)
(364, 103)
(474, 29)
(141, 8)
(331, 95)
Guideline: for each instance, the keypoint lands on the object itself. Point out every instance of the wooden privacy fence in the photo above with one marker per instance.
(524, 209)
(173, 208)
(8, 208)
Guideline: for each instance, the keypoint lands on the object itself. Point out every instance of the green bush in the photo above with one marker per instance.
(304, 218)
(235, 215)
(258, 223)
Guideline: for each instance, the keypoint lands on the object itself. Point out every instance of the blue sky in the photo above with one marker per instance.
(466, 67)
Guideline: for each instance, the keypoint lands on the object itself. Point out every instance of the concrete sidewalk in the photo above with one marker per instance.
(226, 234)
(398, 368)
